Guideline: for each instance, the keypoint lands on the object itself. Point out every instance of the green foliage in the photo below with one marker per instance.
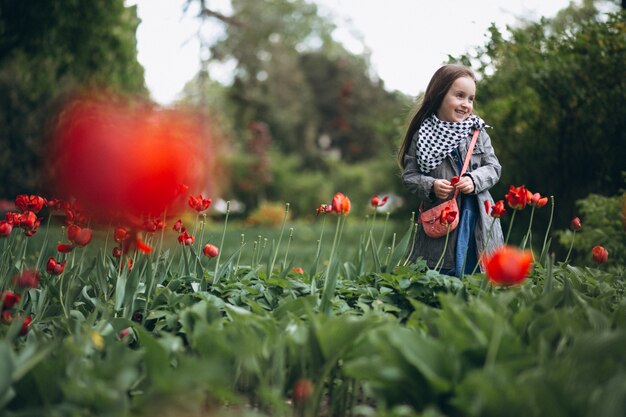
(396, 341)
(603, 224)
(48, 50)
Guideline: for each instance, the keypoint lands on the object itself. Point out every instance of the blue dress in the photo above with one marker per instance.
(465, 255)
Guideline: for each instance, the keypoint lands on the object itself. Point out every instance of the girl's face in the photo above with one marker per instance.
(458, 103)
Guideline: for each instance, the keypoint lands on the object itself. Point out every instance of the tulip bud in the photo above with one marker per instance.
(600, 255)
(210, 251)
(575, 224)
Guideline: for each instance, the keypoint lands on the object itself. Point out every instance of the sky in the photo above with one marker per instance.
(407, 40)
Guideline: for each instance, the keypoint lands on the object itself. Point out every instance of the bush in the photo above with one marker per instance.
(604, 224)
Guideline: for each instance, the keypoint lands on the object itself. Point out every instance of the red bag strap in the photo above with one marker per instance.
(470, 149)
(468, 157)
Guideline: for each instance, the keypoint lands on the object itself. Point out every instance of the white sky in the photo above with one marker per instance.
(407, 39)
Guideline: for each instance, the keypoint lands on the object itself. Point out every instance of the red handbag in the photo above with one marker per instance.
(431, 219)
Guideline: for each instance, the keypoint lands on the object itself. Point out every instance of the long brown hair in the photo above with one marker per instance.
(430, 102)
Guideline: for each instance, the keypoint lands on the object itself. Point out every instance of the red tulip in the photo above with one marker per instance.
(65, 248)
(538, 201)
(455, 180)
(55, 268)
(29, 203)
(379, 202)
(498, 209)
(324, 208)
(5, 228)
(117, 252)
(507, 265)
(341, 204)
(141, 245)
(9, 299)
(185, 239)
(25, 325)
(178, 226)
(302, 390)
(600, 255)
(120, 234)
(80, 236)
(210, 251)
(29, 278)
(199, 203)
(517, 197)
(575, 224)
(447, 216)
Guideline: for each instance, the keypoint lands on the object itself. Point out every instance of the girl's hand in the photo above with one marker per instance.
(465, 185)
(443, 189)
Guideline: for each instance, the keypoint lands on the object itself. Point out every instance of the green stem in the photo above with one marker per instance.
(571, 245)
(288, 246)
(528, 232)
(493, 220)
(280, 237)
(243, 242)
(221, 248)
(508, 234)
(330, 282)
(382, 239)
(545, 239)
(367, 243)
(445, 245)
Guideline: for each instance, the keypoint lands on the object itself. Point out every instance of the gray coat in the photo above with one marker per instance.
(484, 169)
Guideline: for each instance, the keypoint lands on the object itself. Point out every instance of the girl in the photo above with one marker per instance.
(434, 148)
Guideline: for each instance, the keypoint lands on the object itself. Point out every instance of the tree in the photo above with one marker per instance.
(47, 50)
(554, 92)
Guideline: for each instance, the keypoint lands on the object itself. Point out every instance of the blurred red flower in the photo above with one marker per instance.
(80, 236)
(302, 390)
(29, 278)
(298, 270)
(341, 204)
(55, 268)
(116, 154)
(210, 251)
(5, 228)
(9, 299)
(25, 325)
(120, 234)
(575, 224)
(455, 180)
(507, 265)
(517, 197)
(600, 255)
(65, 248)
(178, 226)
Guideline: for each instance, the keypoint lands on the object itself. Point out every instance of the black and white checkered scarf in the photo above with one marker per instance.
(437, 139)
